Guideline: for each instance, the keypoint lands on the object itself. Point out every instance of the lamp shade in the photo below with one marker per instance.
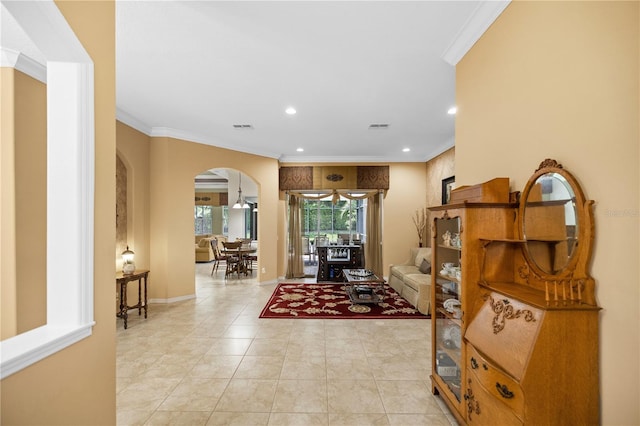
(128, 266)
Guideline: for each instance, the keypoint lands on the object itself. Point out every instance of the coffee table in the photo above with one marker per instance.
(363, 286)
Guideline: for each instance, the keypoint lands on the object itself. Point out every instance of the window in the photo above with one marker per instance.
(345, 219)
(211, 220)
(203, 219)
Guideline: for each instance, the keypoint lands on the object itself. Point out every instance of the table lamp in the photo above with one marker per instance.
(128, 266)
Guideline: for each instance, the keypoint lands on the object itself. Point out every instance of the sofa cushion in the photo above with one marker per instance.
(402, 270)
(416, 280)
(425, 267)
(422, 253)
(204, 242)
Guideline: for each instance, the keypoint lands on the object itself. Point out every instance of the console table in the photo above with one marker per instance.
(121, 281)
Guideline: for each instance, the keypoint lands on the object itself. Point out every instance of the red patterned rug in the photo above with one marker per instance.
(294, 300)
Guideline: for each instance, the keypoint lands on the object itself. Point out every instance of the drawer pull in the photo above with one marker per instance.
(504, 391)
(474, 363)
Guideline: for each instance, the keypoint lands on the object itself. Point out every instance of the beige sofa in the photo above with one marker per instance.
(412, 284)
(204, 251)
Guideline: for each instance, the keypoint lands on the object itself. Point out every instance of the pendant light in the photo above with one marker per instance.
(240, 203)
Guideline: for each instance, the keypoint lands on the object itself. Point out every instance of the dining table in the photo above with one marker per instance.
(242, 253)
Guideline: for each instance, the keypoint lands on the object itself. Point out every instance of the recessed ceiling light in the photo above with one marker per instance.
(300, 149)
(452, 111)
(290, 110)
(406, 149)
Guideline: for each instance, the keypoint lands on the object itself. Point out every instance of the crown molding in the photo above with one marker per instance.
(480, 20)
(131, 121)
(351, 159)
(192, 137)
(13, 59)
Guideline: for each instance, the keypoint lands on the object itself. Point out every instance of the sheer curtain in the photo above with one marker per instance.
(372, 247)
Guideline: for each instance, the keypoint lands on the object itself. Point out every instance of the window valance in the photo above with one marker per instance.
(333, 177)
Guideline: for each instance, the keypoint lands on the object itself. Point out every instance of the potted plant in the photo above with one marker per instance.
(420, 221)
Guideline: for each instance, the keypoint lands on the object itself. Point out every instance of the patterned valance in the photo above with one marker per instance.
(211, 199)
(333, 177)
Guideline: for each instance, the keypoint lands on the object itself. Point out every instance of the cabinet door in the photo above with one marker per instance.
(447, 309)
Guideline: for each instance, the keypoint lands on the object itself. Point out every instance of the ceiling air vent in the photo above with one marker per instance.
(243, 126)
(378, 126)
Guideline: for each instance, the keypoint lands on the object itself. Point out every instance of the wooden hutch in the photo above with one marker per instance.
(524, 348)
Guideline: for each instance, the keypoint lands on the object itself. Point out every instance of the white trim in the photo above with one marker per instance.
(13, 59)
(70, 188)
(132, 121)
(268, 282)
(192, 137)
(173, 299)
(480, 20)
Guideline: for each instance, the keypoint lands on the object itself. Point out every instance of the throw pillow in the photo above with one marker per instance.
(425, 267)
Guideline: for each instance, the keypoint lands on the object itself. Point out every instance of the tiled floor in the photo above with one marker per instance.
(212, 361)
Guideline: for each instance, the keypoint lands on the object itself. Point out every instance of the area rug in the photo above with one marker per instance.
(294, 300)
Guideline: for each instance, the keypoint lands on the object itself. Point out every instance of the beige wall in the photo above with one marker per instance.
(438, 168)
(77, 384)
(561, 80)
(133, 148)
(8, 302)
(24, 203)
(174, 165)
(31, 201)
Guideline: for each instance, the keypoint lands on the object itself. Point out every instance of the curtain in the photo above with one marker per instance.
(373, 245)
(295, 268)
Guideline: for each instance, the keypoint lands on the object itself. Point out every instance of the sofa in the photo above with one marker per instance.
(412, 279)
(204, 251)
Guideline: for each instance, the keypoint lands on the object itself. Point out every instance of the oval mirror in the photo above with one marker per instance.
(550, 221)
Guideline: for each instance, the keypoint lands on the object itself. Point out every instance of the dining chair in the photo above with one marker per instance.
(217, 256)
(232, 258)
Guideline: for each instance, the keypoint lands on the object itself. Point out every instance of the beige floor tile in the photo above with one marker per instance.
(212, 360)
(248, 395)
(241, 331)
(418, 419)
(301, 396)
(351, 368)
(305, 347)
(179, 418)
(348, 419)
(238, 419)
(298, 419)
(301, 368)
(133, 417)
(273, 347)
(397, 367)
(216, 366)
(195, 394)
(354, 396)
(411, 397)
(259, 367)
(222, 346)
(344, 347)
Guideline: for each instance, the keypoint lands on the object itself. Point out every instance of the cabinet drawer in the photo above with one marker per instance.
(496, 383)
(484, 409)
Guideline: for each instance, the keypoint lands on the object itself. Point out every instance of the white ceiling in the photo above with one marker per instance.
(193, 69)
